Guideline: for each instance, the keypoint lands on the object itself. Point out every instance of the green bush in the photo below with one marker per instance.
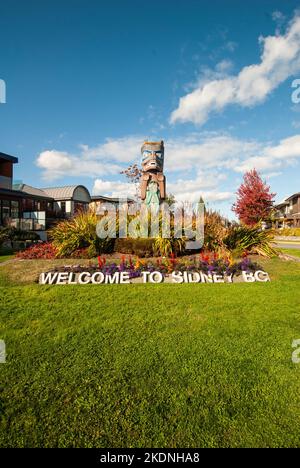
(166, 246)
(70, 235)
(12, 234)
(240, 239)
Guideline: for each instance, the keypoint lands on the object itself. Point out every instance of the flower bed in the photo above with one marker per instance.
(43, 250)
(207, 263)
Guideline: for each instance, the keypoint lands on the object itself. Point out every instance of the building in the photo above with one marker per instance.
(100, 203)
(67, 200)
(35, 209)
(287, 213)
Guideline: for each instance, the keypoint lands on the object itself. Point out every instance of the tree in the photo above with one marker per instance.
(133, 174)
(254, 199)
(170, 199)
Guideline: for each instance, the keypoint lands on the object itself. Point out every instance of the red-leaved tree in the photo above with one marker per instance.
(254, 199)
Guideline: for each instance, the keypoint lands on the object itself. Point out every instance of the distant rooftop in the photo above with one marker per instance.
(292, 196)
(63, 193)
(31, 190)
(111, 199)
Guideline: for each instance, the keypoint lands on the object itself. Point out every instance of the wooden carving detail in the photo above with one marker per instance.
(153, 181)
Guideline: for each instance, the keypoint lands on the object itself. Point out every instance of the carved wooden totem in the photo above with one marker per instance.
(153, 181)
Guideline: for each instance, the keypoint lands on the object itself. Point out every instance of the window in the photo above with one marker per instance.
(5, 211)
(14, 209)
(27, 204)
(35, 219)
(63, 206)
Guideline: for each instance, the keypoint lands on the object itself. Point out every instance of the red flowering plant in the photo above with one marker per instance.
(44, 250)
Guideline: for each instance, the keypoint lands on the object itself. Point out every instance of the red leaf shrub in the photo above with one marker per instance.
(254, 199)
(81, 253)
(45, 251)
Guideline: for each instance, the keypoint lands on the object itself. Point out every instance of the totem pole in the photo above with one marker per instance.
(153, 181)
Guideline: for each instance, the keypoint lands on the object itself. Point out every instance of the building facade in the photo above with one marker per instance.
(33, 209)
(287, 213)
(36, 209)
(99, 203)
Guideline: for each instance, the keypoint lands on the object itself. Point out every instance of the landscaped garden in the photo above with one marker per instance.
(150, 365)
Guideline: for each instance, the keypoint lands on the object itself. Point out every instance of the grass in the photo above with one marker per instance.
(292, 252)
(150, 365)
(5, 254)
(4, 258)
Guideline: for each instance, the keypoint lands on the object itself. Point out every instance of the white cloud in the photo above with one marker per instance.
(287, 152)
(191, 189)
(280, 59)
(126, 149)
(115, 189)
(197, 164)
(206, 150)
(185, 190)
(59, 164)
(102, 159)
(194, 151)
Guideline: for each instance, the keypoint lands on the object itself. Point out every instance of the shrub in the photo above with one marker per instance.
(83, 253)
(43, 250)
(78, 233)
(166, 246)
(242, 239)
(214, 231)
(3, 236)
(142, 247)
(13, 234)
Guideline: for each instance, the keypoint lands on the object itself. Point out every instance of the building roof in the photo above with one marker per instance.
(63, 193)
(293, 196)
(283, 203)
(110, 199)
(31, 190)
(7, 157)
(9, 192)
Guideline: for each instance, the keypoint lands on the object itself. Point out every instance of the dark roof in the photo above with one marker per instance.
(28, 189)
(110, 199)
(7, 157)
(21, 194)
(293, 196)
(283, 203)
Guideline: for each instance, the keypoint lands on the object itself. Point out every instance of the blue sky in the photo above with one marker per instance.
(88, 81)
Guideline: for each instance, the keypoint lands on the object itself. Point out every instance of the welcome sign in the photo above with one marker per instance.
(154, 277)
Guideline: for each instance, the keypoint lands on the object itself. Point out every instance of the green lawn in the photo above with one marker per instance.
(293, 252)
(151, 365)
(4, 258)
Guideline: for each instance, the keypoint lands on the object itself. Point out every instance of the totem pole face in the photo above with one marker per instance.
(153, 156)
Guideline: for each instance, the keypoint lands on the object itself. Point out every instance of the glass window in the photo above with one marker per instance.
(26, 224)
(14, 209)
(35, 219)
(5, 210)
(15, 223)
(27, 204)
